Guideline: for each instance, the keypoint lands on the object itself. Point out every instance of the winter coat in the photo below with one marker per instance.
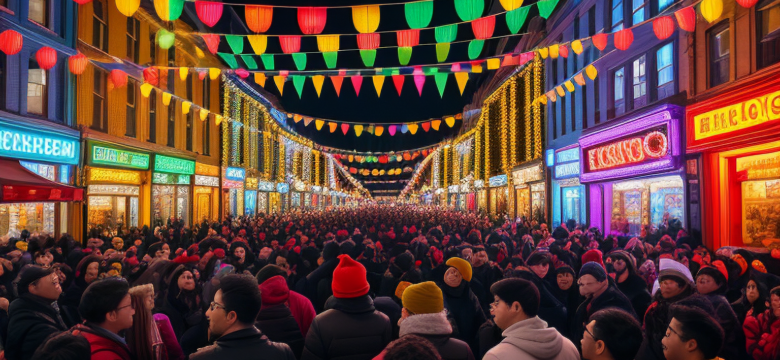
(487, 275)
(278, 324)
(465, 311)
(610, 298)
(249, 343)
(531, 339)
(102, 347)
(352, 329)
(656, 321)
(489, 336)
(762, 335)
(635, 289)
(181, 318)
(437, 329)
(32, 319)
(275, 291)
(172, 347)
(734, 342)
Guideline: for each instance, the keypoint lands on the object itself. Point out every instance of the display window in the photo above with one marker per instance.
(112, 207)
(572, 198)
(33, 217)
(202, 203)
(170, 201)
(653, 201)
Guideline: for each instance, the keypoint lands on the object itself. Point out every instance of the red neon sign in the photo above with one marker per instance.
(652, 145)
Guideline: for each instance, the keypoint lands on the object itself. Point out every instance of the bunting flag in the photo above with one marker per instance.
(398, 81)
(298, 81)
(436, 124)
(357, 82)
(378, 130)
(391, 130)
(426, 126)
(332, 126)
(337, 81)
(419, 81)
(318, 80)
(358, 130)
(307, 120)
(412, 128)
(441, 83)
(462, 78)
(279, 81)
(379, 80)
(344, 128)
(318, 123)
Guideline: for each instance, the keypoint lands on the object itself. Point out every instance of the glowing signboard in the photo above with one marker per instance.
(282, 188)
(24, 142)
(235, 174)
(203, 169)
(230, 184)
(568, 155)
(566, 170)
(172, 179)
(251, 183)
(528, 174)
(633, 150)
(738, 116)
(203, 180)
(104, 155)
(266, 186)
(114, 176)
(499, 180)
(174, 165)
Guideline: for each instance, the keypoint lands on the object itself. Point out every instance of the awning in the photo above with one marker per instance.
(21, 185)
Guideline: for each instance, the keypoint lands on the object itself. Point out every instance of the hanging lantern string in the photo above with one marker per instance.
(379, 124)
(319, 7)
(359, 153)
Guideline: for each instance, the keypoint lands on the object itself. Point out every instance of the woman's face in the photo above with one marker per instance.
(540, 269)
(670, 288)
(751, 291)
(452, 277)
(240, 253)
(705, 284)
(166, 251)
(186, 281)
(92, 272)
(565, 280)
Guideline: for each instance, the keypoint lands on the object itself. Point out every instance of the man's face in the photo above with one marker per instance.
(565, 280)
(502, 313)
(466, 254)
(674, 346)
(669, 288)
(452, 277)
(588, 285)
(218, 318)
(591, 347)
(479, 258)
(619, 265)
(775, 303)
(123, 315)
(705, 284)
(47, 287)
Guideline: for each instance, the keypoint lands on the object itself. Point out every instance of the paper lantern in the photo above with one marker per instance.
(357, 82)
(208, 12)
(579, 79)
(165, 39)
(475, 48)
(365, 18)
(749, 4)
(218, 119)
(185, 107)
(599, 41)
(569, 86)
(404, 55)
(408, 38)
(146, 89)
(183, 72)
(46, 57)
(214, 73)
(128, 7)
(11, 42)
(711, 10)
(258, 18)
(663, 27)
(563, 50)
(483, 27)
(236, 43)
(290, 43)
(554, 50)
(546, 7)
(418, 14)
(686, 18)
(151, 76)
(413, 128)
(211, 40)
(591, 71)
(242, 73)
(419, 81)
(623, 39)
(327, 43)
(560, 91)
(118, 78)
(469, 9)
(300, 60)
(312, 19)
(78, 63)
(168, 10)
(515, 19)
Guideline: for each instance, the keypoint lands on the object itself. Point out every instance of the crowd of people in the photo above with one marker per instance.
(385, 282)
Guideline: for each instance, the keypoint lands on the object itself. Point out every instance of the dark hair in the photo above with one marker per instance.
(270, 271)
(63, 346)
(102, 297)
(519, 290)
(697, 325)
(411, 347)
(775, 291)
(241, 294)
(620, 332)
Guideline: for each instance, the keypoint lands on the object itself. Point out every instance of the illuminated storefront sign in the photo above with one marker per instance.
(27, 143)
(566, 170)
(174, 165)
(282, 188)
(266, 186)
(104, 155)
(569, 155)
(529, 174)
(203, 180)
(230, 184)
(633, 150)
(499, 180)
(113, 190)
(737, 117)
(203, 169)
(764, 166)
(235, 174)
(251, 183)
(95, 175)
(171, 179)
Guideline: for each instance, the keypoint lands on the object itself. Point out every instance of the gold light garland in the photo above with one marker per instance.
(537, 71)
(513, 118)
(503, 118)
(528, 137)
(486, 117)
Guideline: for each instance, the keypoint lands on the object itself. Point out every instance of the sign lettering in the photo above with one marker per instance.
(567, 155)
(30, 144)
(103, 155)
(203, 180)
(565, 170)
(173, 179)
(633, 150)
(737, 117)
(174, 165)
(235, 174)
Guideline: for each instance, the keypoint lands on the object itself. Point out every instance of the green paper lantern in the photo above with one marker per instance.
(368, 57)
(546, 7)
(441, 82)
(331, 58)
(165, 39)
(404, 55)
(298, 81)
(469, 9)
(475, 48)
(250, 62)
(419, 14)
(230, 59)
(300, 60)
(446, 33)
(442, 50)
(236, 43)
(516, 18)
(268, 61)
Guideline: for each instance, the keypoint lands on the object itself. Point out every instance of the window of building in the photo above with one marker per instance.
(639, 76)
(152, 118)
(637, 11)
(190, 128)
(172, 125)
(152, 49)
(131, 106)
(171, 72)
(39, 12)
(2, 80)
(596, 106)
(719, 54)
(593, 53)
(663, 4)
(664, 59)
(188, 84)
(99, 105)
(133, 36)
(617, 15)
(619, 92)
(37, 89)
(768, 16)
(206, 93)
(207, 138)
(99, 25)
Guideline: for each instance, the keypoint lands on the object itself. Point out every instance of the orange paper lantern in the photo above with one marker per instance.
(46, 57)
(258, 18)
(78, 63)
(686, 18)
(599, 41)
(623, 39)
(118, 78)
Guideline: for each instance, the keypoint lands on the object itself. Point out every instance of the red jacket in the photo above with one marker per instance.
(275, 291)
(762, 335)
(102, 348)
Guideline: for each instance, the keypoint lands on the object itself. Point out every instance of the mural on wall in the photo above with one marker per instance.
(666, 201)
(761, 212)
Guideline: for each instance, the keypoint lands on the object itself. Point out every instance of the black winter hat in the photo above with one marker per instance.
(404, 261)
(28, 275)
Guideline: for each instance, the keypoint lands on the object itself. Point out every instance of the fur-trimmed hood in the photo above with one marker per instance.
(426, 324)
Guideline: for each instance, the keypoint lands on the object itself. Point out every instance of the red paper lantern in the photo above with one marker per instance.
(407, 156)
(151, 76)
(212, 42)
(368, 41)
(46, 57)
(11, 42)
(312, 19)
(483, 27)
(352, 170)
(242, 73)
(208, 12)
(118, 78)
(383, 159)
(563, 51)
(663, 27)
(686, 18)
(623, 39)
(290, 44)
(599, 41)
(408, 38)
(747, 4)
(258, 18)
(78, 63)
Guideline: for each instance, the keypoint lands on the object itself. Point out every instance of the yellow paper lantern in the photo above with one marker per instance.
(259, 43)
(146, 89)
(204, 114)
(166, 98)
(185, 107)
(711, 10)
(569, 85)
(413, 128)
(183, 72)
(576, 46)
(543, 52)
(554, 51)
(128, 7)
(358, 130)
(328, 43)
(510, 5)
(493, 64)
(591, 71)
(378, 130)
(214, 73)
(560, 91)
(365, 18)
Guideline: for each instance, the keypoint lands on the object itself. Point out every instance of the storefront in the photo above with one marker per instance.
(735, 138)
(264, 191)
(452, 196)
(205, 193)
(498, 193)
(568, 194)
(250, 196)
(634, 173)
(283, 189)
(529, 188)
(233, 191)
(297, 196)
(37, 165)
(481, 191)
(171, 189)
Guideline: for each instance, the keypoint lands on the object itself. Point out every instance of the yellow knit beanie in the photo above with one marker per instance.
(423, 298)
(462, 265)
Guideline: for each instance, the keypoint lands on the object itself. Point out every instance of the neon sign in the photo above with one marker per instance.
(114, 176)
(498, 180)
(567, 155)
(30, 144)
(235, 174)
(564, 170)
(203, 180)
(737, 117)
(230, 184)
(634, 150)
(172, 179)
(174, 165)
(103, 155)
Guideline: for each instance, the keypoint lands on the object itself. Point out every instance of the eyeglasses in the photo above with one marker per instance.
(494, 304)
(668, 334)
(591, 334)
(215, 305)
(122, 307)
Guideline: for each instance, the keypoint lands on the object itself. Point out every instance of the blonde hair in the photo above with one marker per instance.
(142, 290)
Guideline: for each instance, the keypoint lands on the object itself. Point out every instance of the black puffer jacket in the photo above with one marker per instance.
(278, 324)
(351, 330)
(635, 289)
(610, 298)
(32, 319)
(248, 343)
(465, 311)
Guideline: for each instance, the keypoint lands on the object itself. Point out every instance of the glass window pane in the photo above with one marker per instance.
(638, 11)
(663, 4)
(664, 59)
(38, 11)
(36, 90)
(619, 84)
(617, 15)
(640, 78)
(721, 43)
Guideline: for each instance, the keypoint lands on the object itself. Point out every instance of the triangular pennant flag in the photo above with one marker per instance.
(441, 82)
(331, 58)
(358, 130)
(300, 60)
(298, 81)
(279, 81)
(297, 118)
(404, 128)
(268, 61)
(368, 56)
(378, 130)
(462, 78)
(259, 43)
(250, 62)
(379, 80)
(435, 124)
(236, 43)
(419, 80)
(344, 128)
(442, 51)
(332, 126)
(260, 79)
(370, 129)
(307, 120)
(318, 80)
(579, 79)
(450, 121)
(426, 126)
(552, 96)
(357, 82)
(391, 130)
(318, 123)
(204, 114)
(413, 128)
(398, 81)
(337, 81)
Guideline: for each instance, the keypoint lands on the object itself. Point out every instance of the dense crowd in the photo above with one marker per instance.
(385, 282)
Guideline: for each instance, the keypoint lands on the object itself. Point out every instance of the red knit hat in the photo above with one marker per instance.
(593, 255)
(349, 279)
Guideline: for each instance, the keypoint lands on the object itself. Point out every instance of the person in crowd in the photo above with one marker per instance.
(231, 319)
(712, 283)
(352, 328)
(692, 334)
(34, 315)
(275, 319)
(152, 336)
(411, 347)
(623, 267)
(461, 303)
(183, 303)
(552, 310)
(611, 334)
(300, 306)
(754, 296)
(87, 271)
(526, 335)
(63, 346)
(762, 331)
(107, 310)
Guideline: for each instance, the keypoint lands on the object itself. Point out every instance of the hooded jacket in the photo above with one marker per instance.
(275, 319)
(531, 339)
(249, 343)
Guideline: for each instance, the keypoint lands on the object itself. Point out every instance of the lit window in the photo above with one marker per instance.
(665, 64)
(768, 16)
(617, 15)
(719, 55)
(639, 82)
(619, 81)
(638, 11)
(39, 12)
(36, 89)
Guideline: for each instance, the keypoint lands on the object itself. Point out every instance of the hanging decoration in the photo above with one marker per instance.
(298, 82)
(128, 7)
(379, 80)
(469, 9)
(183, 72)
(365, 18)
(279, 81)
(398, 81)
(576, 46)
(242, 73)
(337, 81)
(46, 57)
(165, 39)
(546, 7)
(259, 43)
(290, 43)
(441, 83)
(146, 89)
(419, 81)
(78, 63)
(483, 27)
(418, 14)
(379, 130)
(663, 27)
(185, 107)
(345, 128)
(475, 48)
(312, 19)
(686, 18)
(208, 12)
(11, 42)
(515, 19)
(357, 81)
(404, 55)
(268, 61)
(214, 73)
(168, 10)
(300, 60)
(461, 78)
(258, 18)
(747, 3)
(358, 130)
(711, 10)
(260, 79)
(623, 39)
(118, 78)
(211, 40)
(236, 43)
(151, 76)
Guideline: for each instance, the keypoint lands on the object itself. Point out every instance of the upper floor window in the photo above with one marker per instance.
(39, 12)
(99, 105)
(207, 138)
(640, 82)
(131, 109)
(133, 36)
(719, 54)
(768, 16)
(206, 93)
(663, 4)
(152, 49)
(619, 92)
(171, 125)
(99, 25)
(617, 15)
(638, 11)
(190, 127)
(664, 59)
(37, 89)
(152, 118)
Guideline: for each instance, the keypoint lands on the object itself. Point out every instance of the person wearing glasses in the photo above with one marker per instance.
(34, 315)
(107, 310)
(692, 334)
(611, 334)
(231, 324)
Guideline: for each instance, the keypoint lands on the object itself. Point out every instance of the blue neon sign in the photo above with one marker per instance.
(235, 174)
(31, 144)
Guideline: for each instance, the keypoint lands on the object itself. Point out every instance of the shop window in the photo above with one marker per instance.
(133, 35)
(131, 107)
(37, 89)
(639, 76)
(664, 59)
(170, 201)
(39, 12)
(99, 25)
(33, 217)
(99, 105)
(207, 138)
(171, 125)
(617, 15)
(719, 54)
(618, 92)
(760, 176)
(768, 16)
(659, 202)
(112, 207)
(190, 128)
(152, 118)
